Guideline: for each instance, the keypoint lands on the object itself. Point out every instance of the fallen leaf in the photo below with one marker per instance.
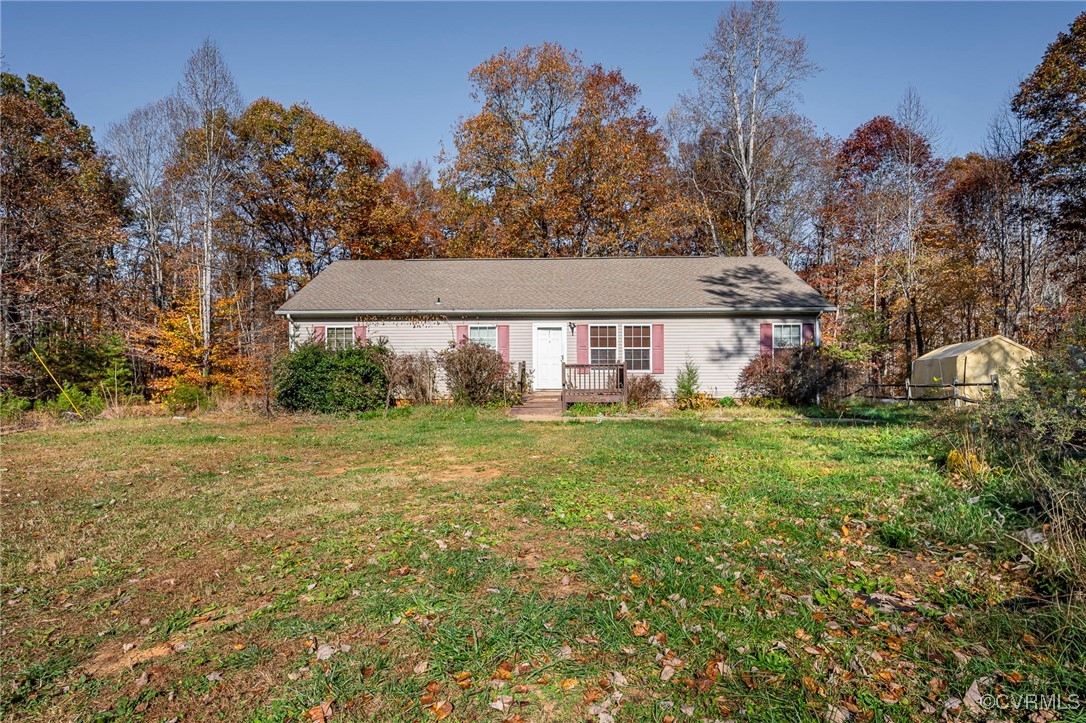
(667, 673)
(320, 713)
(568, 683)
(837, 715)
(442, 709)
(972, 699)
(421, 667)
(640, 628)
(324, 652)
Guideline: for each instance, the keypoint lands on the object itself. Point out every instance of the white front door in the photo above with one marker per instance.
(548, 357)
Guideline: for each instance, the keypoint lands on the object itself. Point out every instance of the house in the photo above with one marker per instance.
(969, 362)
(653, 313)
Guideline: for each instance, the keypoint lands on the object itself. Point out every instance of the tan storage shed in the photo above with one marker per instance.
(970, 362)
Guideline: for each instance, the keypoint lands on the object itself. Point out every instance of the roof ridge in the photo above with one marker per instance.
(564, 258)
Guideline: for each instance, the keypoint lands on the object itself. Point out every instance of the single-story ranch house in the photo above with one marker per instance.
(653, 313)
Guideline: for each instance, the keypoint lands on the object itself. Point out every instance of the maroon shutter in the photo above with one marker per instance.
(808, 334)
(360, 334)
(318, 334)
(582, 343)
(461, 334)
(766, 340)
(503, 341)
(657, 348)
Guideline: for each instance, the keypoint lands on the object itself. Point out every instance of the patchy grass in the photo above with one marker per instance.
(442, 559)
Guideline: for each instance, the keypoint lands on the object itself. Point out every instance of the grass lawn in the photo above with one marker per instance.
(461, 564)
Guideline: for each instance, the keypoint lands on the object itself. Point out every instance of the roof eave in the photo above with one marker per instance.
(698, 311)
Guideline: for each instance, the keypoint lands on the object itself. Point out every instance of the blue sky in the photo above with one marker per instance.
(398, 72)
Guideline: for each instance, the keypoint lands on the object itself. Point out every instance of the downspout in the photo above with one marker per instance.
(290, 333)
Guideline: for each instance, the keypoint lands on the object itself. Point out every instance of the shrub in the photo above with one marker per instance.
(185, 398)
(799, 377)
(315, 379)
(1040, 433)
(477, 375)
(12, 407)
(88, 404)
(642, 389)
(411, 377)
(687, 382)
(83, 364)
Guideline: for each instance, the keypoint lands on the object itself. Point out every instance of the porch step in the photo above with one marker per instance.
(539, 404)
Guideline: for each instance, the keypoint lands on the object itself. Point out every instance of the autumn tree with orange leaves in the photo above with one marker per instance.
(560, 161)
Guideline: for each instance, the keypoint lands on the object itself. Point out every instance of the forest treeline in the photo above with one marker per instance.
(154, 256)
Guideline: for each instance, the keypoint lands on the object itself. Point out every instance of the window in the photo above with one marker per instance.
(637, 347)
(603, 344)
(787, 336)
(339, 337)
(485, 335)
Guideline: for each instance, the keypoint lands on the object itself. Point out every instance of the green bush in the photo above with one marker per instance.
(12, 407)
(89, 404)
(687, 382)
(185, 398)
(86, 365)
(315, 379)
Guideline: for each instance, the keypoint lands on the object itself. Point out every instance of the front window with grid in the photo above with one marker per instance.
(339, 337)
(485, 335)
(636, 347)
(787, 336)
(603, 344)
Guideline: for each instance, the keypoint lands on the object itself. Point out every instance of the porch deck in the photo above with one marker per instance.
(593, 383)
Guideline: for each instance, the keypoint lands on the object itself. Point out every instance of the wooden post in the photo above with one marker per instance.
(996, 391)
(622, 372)
(908, 391)
(954, 393)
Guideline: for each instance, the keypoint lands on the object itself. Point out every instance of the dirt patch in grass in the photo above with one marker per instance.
(465, 473)
(114, 657)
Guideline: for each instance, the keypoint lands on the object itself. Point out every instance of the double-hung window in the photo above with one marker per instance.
(637, 347)
(603, 344)
(485, 335)
(787, 336)
(339, 337)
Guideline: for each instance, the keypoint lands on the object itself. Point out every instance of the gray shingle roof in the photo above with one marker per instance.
(673, 283)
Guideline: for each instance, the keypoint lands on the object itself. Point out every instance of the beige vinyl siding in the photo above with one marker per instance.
(719, 346)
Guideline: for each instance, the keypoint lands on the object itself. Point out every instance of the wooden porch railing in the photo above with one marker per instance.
(595, 383)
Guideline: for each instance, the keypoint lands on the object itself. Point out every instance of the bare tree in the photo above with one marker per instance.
(209, 100)
(918, 168)
(747, 80)
(142, 145)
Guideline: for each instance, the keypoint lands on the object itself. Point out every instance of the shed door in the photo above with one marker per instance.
(548, 357)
